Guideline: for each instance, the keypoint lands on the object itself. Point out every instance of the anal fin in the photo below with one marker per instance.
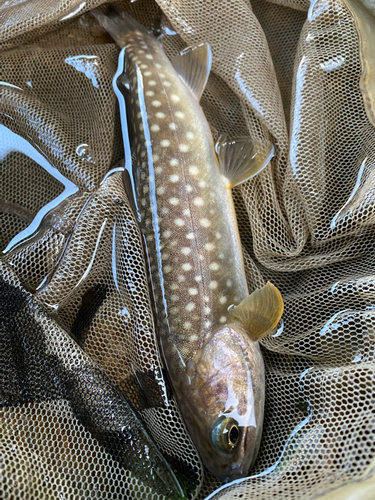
(194, 65)
(259, 312)
(242, 158)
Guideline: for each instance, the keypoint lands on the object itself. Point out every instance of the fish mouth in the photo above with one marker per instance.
(232, 472)
(241, 467)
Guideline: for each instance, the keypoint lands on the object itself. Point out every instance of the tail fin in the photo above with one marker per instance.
(118, 23)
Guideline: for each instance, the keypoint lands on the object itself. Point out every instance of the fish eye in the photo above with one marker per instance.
(226, 434)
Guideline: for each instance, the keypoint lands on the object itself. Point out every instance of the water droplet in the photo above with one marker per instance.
(83, 151)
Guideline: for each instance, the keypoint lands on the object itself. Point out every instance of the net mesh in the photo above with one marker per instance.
(284, 70)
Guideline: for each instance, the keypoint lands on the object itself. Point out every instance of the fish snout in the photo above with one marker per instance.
(240, 468)
(231, 472)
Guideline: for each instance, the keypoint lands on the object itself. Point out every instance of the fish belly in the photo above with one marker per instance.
(186, 212)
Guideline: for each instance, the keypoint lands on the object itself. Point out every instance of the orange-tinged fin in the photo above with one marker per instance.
(193, 66)
(241, 158)
(260, 312)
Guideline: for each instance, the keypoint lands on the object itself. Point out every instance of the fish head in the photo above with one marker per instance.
(224, 402)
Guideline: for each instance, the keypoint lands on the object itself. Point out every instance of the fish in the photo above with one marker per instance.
(208, 326)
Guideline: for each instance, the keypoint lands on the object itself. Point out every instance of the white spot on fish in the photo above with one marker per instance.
(173, 243)
(218, 235)
(174, 201)
(181, 278)
(155, 127)
(198, 278)
(174, 298)
(193, 338)
(179, 222)
(167, 234)
(212, 285)
(193, 170)
(207, 310)
(160, 190)
(179, 114)
(223, 300)
(214, 266)
(148, 56)
(205, 223)
(190, 135)
(172, 126)
(223, 319)
(189, 189)
(150, 93)
(193, 291)
(190, 306)
(141, 127)
(199, 202)
(201, 184)
(158, 170)
(139, 115)
(152, 83)
(174, 178)
(187, 325)
(190, 236)
(174, 286)
(155, 158)
(173, 162)
(175, 98)
(156, 103)
(209, 247)
(183, 147)
(229, 283)
(165, 143)
(160, 114)
(158, 65)
(167, 269)
(174, 310)
(166, 83)
(186, 212)
(185, 250)
(144, 66)
(187, 266)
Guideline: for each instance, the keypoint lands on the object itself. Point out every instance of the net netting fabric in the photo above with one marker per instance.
(76, 413)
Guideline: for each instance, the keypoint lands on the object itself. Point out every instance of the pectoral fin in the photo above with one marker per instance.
(260, 312)
(194, 65)
(242, 158)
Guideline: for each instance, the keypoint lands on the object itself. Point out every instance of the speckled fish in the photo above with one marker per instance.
(186, 214)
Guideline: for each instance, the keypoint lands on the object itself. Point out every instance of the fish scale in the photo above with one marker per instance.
(187, 214)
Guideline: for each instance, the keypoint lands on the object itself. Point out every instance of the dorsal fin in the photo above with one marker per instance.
(260, 312)
(194, 65)
(242, 158)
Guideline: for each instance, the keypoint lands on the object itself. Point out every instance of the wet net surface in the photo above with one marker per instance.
(85, 418)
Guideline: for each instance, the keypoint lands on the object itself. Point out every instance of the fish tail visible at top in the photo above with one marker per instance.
(118, 23)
